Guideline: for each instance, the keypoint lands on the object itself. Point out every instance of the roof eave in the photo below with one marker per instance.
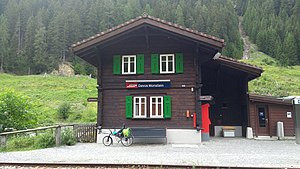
(250, 69)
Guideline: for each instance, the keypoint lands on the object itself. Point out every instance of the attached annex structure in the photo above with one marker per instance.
(153, 73)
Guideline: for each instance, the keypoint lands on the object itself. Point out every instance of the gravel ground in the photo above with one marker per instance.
(217, 152)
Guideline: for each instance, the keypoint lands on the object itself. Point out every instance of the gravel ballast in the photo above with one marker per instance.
(217, 152)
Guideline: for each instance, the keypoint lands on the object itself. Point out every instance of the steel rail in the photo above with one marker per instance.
(96, 165)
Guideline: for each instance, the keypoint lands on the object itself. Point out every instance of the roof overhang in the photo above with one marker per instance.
(269, 99)
(251, 70)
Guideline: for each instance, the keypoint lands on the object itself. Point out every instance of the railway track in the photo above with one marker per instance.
(16, 165)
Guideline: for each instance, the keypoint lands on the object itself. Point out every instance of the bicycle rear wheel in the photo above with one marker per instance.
(127, 141)
(107, 141)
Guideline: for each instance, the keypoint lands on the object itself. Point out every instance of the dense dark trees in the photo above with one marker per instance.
(36, 34)
(274, 25)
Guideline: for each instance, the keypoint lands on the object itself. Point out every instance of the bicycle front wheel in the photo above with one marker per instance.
(127, 141)
(107, 141)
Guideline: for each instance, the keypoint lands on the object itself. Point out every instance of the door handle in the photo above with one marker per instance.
(267, 120)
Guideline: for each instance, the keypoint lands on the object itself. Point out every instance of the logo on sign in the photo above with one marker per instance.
(131, 85)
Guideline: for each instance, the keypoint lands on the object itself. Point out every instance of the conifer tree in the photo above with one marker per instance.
(179, 15)
(40, 51)
(289, 51)
(3, 41)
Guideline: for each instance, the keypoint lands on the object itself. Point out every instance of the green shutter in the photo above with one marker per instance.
(140, 64)
(167, 107)
(154, 64)
(128, 107)
(117, 65)
(179, 63)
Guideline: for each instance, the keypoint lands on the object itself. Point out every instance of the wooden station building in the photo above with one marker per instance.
(153, 73)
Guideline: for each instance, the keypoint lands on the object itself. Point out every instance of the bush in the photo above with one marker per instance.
(16, 111)
(20, 143)
(67, 137)
(64, 111)
(44, 140)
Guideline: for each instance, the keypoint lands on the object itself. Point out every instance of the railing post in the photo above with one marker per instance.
(58, 136)
(3, 140)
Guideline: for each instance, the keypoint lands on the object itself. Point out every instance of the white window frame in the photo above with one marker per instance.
(156, 106)
(140, 106)
(167, 65)
(123, 60)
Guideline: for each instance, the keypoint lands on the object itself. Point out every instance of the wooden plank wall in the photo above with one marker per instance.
(114, 90)
(277, 113)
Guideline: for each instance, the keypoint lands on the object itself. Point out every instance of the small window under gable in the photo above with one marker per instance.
(167, 63)
(129, 64)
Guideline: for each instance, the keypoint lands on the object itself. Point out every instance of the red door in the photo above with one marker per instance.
(262, 121)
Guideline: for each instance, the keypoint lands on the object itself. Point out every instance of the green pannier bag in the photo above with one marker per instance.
(126, 132)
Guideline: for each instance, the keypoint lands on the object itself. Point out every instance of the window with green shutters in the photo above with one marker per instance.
(159, 107)
(128, 64)
(167, 63)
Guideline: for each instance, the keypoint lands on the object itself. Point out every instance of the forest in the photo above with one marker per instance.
(36, 34)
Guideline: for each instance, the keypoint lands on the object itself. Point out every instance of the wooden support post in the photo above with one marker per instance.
(100, 90)
(198, 85)
(3, 140)
(58, 136)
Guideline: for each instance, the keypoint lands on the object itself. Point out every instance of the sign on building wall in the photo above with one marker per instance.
(297, 101)
(134, 84)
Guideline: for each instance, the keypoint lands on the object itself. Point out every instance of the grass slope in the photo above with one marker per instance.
(275, 80)
(48, 93)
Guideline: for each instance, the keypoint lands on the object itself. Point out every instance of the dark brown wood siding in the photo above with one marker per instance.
(253, 116)
(114, 91)
(277, 112)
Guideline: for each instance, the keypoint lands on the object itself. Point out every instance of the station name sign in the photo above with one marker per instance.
(138, 84)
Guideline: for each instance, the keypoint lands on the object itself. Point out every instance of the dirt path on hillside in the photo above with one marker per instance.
(246, 52)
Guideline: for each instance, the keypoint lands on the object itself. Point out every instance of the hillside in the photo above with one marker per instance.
(49, 92)
(275, 80)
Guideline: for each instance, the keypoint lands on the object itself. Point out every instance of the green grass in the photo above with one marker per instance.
(48, 93)
(275, 80)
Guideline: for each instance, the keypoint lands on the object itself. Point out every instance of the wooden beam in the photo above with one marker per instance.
(146, 37)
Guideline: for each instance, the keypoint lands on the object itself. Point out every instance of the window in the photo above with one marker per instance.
(156, 107)
(139, 107)
(167, 63)
(147, 107)
(129, 64)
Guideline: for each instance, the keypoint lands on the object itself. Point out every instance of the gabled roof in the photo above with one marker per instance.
(156, 22)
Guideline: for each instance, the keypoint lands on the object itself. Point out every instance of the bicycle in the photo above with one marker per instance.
(123, 135)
